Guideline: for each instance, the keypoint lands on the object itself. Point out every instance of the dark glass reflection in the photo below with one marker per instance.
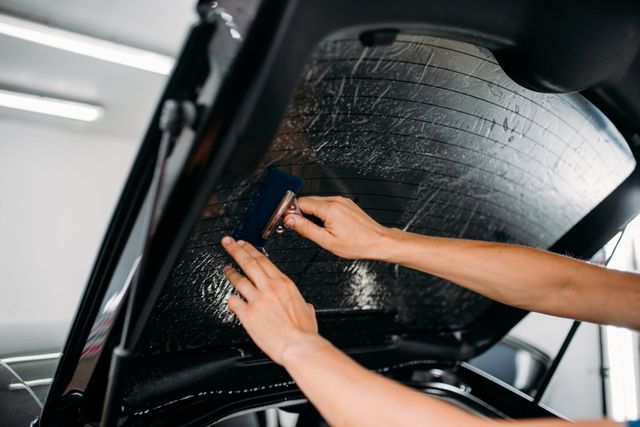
(426, 135)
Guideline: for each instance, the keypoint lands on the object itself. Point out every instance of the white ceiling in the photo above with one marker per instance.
(128, 95)
(59, 178)
(157, 25)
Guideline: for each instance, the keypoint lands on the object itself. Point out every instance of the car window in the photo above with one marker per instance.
(426, 135)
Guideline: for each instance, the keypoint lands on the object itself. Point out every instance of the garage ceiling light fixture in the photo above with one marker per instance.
(85, 45)
(50, 106)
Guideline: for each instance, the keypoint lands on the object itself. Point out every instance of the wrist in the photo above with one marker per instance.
(300, 349)
(389, 246)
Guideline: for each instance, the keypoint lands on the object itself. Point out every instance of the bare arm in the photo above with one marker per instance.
(368, 399)
(361, 392)
(283, 325)
(528, 278)
(524, 277)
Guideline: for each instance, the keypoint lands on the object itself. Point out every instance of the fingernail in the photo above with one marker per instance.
(226, 240)
(290, 221)
(241, 242)
(226, 267)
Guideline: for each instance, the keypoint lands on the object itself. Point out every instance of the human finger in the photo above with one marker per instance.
(237, 306)
(306, 228)
(317, 206)
(266, 264)
(240, 282)
(246, 262)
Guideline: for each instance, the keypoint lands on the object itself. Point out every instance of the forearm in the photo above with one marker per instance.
(515, 275)
(346, 394)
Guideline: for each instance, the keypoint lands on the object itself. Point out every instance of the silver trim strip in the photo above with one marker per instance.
(30, 383)
(31, 358)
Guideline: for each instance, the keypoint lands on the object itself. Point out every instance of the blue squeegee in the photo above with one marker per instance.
(273, 192)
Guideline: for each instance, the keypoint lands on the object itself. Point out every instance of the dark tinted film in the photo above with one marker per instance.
(426, 135)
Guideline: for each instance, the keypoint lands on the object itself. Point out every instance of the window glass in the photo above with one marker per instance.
(426, 135)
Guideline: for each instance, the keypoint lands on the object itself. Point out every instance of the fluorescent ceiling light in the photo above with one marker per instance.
(50, 106)
(85, 45)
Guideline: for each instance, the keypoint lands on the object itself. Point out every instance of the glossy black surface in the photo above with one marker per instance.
(427, 135)
(460, 384)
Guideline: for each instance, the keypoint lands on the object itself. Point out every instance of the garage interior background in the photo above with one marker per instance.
(60, 178)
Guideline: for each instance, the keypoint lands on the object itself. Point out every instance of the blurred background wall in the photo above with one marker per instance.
(60, 178)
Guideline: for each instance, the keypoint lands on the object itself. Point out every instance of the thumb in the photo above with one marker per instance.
(306, 228)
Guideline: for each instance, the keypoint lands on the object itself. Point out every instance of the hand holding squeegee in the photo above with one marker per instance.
(275, 198)
(347, 231)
